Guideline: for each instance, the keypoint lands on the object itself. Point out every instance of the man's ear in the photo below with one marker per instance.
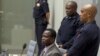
(89, 14)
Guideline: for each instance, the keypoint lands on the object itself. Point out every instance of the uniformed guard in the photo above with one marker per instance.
(86, 42)
(41, 16)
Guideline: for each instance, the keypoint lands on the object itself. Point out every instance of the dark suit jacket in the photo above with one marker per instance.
(67, 30)
(86, 42)
(52, 51)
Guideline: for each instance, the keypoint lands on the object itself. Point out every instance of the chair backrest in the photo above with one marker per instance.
(31, 48)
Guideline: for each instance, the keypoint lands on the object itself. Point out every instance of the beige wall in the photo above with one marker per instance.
(58, 13)
(16, 23)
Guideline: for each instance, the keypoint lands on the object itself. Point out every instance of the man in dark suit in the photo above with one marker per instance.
(86, 40)
(48, 39)
(69, 25)
(41, 16)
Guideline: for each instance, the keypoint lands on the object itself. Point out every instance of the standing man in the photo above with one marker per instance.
(48, 39)
(69, 25)
(41, 15)
(86, 42)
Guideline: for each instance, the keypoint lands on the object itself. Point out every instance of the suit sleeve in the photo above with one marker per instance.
(59, 34)
(77, 25)
(58, 37)
(58, 40)
(67, 45)
(79, 43)
(45, 7)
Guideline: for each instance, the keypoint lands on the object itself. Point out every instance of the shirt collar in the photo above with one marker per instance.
(93, 22)
(46, 48)
(72, 17)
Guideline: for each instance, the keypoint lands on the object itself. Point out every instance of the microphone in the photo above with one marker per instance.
(24, 46)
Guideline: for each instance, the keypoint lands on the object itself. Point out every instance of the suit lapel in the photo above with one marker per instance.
(49, 50)
(42, 53)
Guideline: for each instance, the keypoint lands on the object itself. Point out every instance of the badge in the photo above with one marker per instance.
(38, 4)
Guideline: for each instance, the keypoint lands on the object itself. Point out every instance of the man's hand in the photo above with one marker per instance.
(65, 54)
(47, 17)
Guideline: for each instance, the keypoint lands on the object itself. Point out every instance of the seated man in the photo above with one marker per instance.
(48, 39)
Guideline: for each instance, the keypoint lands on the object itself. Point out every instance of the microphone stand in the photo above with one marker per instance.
(24, 46)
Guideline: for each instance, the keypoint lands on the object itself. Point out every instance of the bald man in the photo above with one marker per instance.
(86, 41)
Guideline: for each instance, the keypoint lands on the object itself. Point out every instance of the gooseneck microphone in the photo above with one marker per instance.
(23, 48)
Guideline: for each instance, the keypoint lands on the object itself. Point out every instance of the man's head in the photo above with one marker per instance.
(71, 8)
(48, 37)
(88, 13)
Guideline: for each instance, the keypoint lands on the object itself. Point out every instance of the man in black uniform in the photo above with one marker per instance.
(41, 15)
(86, 40)
(69, 25)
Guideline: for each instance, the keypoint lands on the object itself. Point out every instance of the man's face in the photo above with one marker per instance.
(70, 9)
(46, 38)
(83, 15)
